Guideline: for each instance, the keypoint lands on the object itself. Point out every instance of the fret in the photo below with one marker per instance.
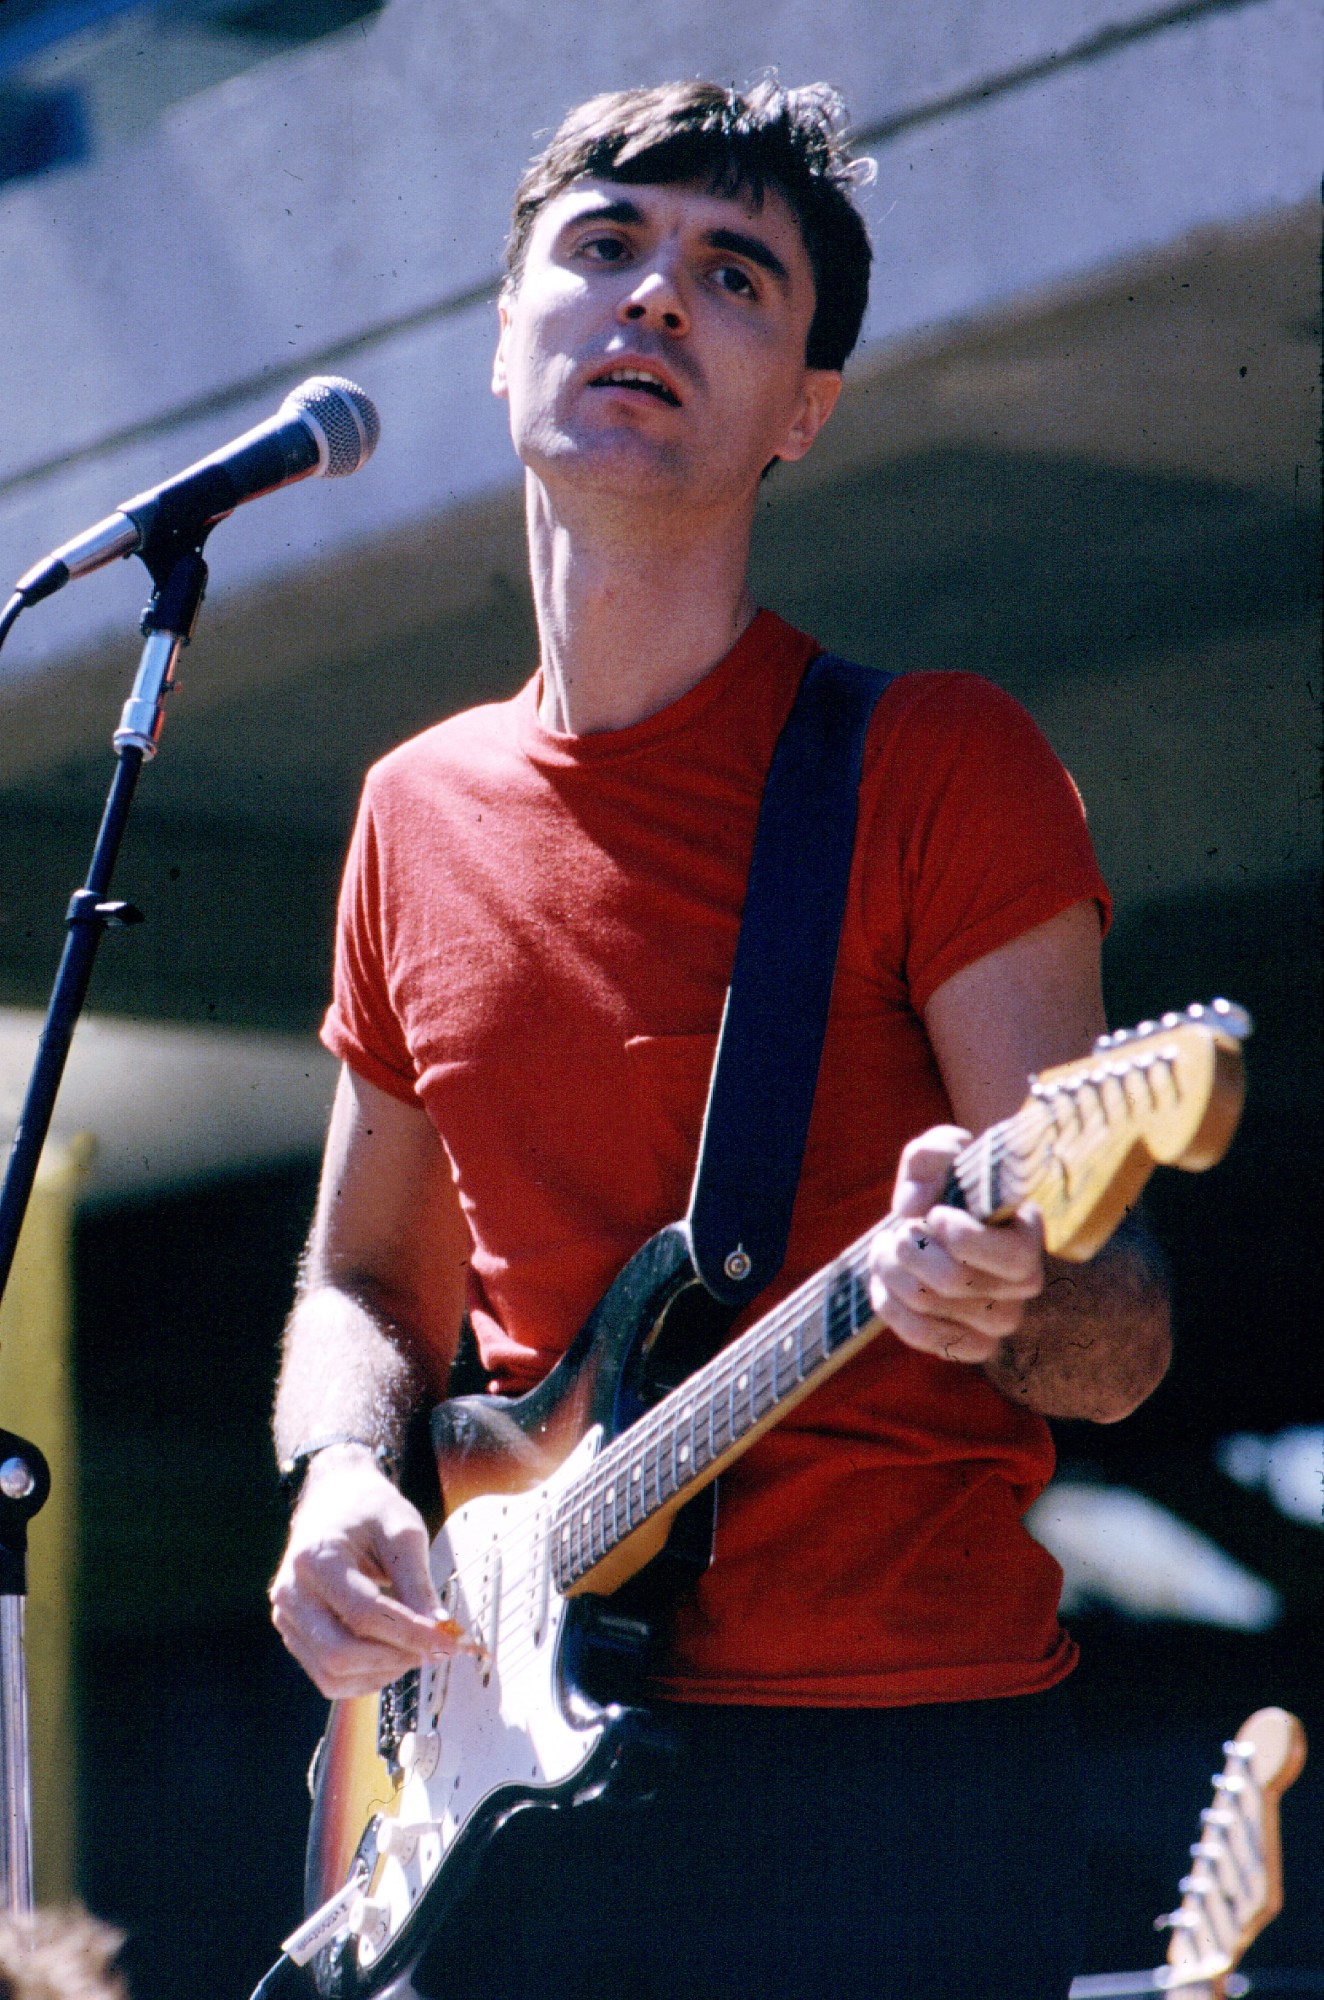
(744, 1387)
(839, 1322)
(597, 1533)
(861, 1306)
(651, 1445)
(576, 1540)
(728, 1389)
(688, 1451)
(758, 1380)
(811, 1342)
(783, 1364)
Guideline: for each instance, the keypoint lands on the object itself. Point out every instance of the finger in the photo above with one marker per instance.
(920, 1251)
(1009, 1254)
(925, 1168)
(901, 1297)
(402, 1549)
(990, 1318)
(364, 1608)
(336, 1661)
(945, 1338)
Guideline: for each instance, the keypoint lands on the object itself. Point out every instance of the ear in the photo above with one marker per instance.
(818, 397)
(500, 384)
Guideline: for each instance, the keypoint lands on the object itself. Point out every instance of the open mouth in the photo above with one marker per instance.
(636, 378)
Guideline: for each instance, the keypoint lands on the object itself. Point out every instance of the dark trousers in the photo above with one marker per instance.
(932, 1853)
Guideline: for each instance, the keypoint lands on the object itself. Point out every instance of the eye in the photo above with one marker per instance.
(601, 249)
(734, 278)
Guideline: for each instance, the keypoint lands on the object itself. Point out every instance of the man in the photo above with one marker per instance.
(536, 932)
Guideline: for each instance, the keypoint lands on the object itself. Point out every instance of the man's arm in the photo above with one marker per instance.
(1067, 1340)
(370, 1339)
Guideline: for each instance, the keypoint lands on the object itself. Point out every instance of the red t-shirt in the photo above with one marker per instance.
(535, 939)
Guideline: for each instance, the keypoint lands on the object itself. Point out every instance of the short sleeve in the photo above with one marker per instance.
(974, 831)
(361, 1025)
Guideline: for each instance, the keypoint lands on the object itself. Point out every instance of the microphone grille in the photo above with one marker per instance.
(345, 419)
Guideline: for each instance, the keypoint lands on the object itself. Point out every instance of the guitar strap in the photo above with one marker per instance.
(766, 1068)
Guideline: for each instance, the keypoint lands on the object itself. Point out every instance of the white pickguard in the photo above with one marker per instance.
(483, 1723)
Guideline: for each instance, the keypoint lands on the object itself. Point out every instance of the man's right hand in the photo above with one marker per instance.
(353, 1597)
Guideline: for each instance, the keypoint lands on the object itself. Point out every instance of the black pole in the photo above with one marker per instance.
(167, 625)
(87, 918)
(180, 577)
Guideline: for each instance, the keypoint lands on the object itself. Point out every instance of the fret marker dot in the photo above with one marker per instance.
(638, 1472)
(787, 1344)
(586, 1516)
(684, 1451)
(742, 1381)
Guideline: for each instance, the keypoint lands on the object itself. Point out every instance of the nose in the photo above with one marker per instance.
(655, 300)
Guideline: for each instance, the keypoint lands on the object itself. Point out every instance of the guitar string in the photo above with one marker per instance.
(656, 1429)
(656, 1426)
(613, 1472)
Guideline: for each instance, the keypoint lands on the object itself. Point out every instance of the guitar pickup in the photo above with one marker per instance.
(487, 1624)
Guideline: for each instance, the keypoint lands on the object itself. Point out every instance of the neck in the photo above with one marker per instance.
(632, 612)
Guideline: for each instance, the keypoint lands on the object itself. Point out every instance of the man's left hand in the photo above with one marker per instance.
(943, 1281)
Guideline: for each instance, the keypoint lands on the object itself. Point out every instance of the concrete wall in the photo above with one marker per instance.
(343, 207)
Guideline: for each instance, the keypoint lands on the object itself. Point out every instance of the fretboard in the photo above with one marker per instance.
(1080, 1147)
(725, 1404)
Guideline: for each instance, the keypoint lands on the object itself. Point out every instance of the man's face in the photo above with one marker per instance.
(654, 345)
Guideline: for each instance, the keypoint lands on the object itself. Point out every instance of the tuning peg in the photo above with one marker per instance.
(1233, 1020)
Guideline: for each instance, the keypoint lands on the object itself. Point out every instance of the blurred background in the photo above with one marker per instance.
(1077, 453)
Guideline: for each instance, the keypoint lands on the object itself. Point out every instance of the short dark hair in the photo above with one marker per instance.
(737, 143)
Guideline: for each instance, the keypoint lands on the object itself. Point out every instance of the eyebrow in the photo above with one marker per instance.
(751, 247)
(737, 241)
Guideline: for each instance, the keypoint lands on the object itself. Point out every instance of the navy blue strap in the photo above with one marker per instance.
(766, 1067)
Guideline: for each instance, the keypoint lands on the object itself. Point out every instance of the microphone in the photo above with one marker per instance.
(326, 427)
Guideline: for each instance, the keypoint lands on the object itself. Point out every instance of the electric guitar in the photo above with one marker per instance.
(1235, 1886)
(557, 1501)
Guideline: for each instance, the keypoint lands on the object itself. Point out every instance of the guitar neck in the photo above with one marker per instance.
(716, 1414)
(688, 1437)
(1080, 1147)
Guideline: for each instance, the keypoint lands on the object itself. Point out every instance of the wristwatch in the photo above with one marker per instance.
(293, 1471)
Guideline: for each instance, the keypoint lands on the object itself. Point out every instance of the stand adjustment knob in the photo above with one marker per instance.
(17, 1479)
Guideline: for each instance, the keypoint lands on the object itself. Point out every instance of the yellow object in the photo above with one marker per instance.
(36, 1401)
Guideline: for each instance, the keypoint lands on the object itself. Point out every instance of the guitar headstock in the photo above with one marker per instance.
(1235, 1886)
(1168, 1092)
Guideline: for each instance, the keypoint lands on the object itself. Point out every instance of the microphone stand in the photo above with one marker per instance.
(179, 578)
